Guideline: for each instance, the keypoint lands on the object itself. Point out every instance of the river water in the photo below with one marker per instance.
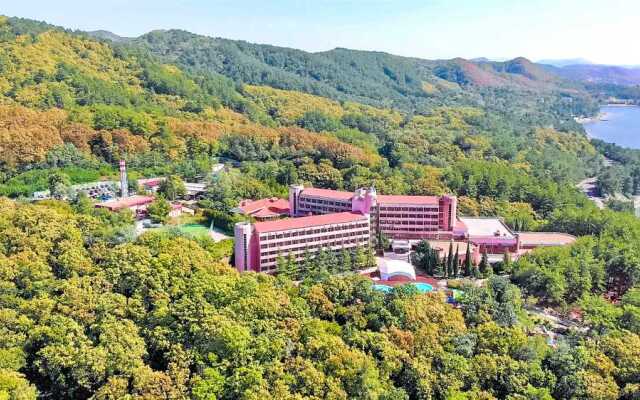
(620, 125)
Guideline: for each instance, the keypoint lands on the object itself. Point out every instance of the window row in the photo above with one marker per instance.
(314, 231)
(272, 257)
(409, 222)
(324, 210)
(327, 202)
(407, 229)
(414, 216)
(315, 239)
(419, 209)
(337, 243)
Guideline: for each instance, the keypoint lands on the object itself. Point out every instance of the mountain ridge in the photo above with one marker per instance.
(574, 70)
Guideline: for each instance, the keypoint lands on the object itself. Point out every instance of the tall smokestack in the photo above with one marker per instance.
(124, 186)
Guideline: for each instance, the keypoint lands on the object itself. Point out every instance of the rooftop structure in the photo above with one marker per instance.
(264, 209)
(305, 222)
(530, 240)
(480, 227)
(491, 235)
(328, 193)
(194, 189)
(392, 268)
(151, 184)
(132, 202)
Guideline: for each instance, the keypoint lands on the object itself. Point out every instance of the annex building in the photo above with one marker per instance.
(335, 220)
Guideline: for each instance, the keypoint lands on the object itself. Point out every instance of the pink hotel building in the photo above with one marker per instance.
(335, 220)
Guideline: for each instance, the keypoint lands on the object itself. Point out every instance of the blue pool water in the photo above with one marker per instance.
(383, 288)
(422, 287)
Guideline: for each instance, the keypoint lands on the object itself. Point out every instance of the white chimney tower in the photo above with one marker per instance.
(124, 186)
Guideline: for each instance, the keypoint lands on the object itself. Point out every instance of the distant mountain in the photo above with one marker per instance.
(365, 76)
(603, 74)
(487, 60)
(564, 62)
(370, 77)
(523, 68)
(106, 35)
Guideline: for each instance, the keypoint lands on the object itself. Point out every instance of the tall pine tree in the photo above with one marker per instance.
(484, 262)
(468, 264)
(456, 262)
(282, 266)
(292, 266)
(448, 267)
(345, 261)
(360, 258)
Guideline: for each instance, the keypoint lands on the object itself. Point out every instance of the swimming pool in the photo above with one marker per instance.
(383, 288)
(422, 287)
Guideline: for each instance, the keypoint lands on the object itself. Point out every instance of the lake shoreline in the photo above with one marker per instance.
(599, 117)
(614, 123)
(602, 115)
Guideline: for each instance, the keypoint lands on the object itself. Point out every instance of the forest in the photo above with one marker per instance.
(89, 310)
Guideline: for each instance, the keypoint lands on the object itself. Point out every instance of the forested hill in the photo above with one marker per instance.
(366, 76)
(169, 102)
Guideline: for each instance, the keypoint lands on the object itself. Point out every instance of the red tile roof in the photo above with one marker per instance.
(545, 238)
(151, 182)
(329, 193)
(127, 202)
(303, 222)
(398, 199)
(265, 208)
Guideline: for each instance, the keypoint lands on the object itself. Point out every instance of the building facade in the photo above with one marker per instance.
(398, 217)
(258, 245)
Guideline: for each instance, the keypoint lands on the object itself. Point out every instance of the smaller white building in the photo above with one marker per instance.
(389, 268)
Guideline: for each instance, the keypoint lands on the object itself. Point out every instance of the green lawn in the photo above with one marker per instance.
(194, 229)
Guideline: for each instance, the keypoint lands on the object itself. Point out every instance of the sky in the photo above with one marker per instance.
(599, 31)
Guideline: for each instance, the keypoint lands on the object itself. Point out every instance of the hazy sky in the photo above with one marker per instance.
(602, 31)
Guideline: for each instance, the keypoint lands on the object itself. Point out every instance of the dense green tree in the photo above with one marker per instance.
(172, 188)
(159, 210)
(422, 257)
(317, 121)
(360, 258)
(484, 263)
(59, 185)
(345, 260)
